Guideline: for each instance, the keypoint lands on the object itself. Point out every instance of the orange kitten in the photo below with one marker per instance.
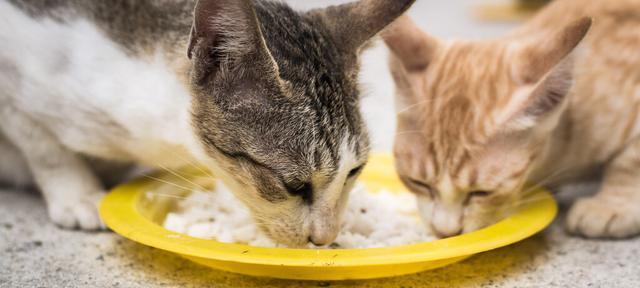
(553, 101)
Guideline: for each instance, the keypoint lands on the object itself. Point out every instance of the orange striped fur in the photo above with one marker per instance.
(548, 103)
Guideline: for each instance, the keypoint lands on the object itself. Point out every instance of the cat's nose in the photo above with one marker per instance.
(320, 238)
(446, 222)
(315, 241)
(444, 232)
(322, 233)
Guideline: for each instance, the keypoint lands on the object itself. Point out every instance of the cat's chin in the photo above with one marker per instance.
(285, 238)
(475, 227)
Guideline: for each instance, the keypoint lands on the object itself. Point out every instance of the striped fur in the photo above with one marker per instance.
(548, 103)
(265, 96)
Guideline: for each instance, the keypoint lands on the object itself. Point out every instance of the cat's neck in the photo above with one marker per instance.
(561, 161)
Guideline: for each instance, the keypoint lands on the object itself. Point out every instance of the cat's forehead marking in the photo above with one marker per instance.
(466, 85)
(447, 189)
(348, 159)
(348, 155)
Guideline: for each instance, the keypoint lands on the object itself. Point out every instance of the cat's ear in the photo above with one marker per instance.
(354, 24)
(544, 70)
(414, 48)
(226, 30)
(545, 51)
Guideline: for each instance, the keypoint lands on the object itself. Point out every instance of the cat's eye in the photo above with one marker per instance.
(479, 193)
(355, 171)
(421, 185)
(303, 190)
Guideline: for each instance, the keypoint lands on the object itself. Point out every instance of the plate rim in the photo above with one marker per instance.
(119, 212)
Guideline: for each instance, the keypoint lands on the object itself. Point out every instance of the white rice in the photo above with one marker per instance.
(371, 220)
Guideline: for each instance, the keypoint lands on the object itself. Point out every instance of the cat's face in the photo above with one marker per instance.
(276, 107)
(473, 118)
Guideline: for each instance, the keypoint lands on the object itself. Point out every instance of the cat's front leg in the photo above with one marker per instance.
(615, 211)
(70, 188)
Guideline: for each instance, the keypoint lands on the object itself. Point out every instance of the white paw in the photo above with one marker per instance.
(604, 217)
(78, 213)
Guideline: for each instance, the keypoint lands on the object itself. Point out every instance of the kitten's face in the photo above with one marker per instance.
(446, 152)
(462, 189)
(276, 107)
(473, 118)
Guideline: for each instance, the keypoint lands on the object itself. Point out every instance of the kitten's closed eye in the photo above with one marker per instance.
(479, 194)
(304, 190)
(420, 186)
(355, 171)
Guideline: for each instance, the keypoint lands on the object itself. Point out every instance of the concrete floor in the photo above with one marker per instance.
(34, 253)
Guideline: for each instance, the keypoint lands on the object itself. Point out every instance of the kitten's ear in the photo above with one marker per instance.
(542, 54)
(354, 24)
(226, 30)
(546, 75)
(414, 48)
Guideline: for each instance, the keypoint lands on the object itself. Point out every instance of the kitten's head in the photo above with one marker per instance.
(276, 106)
(473, 117)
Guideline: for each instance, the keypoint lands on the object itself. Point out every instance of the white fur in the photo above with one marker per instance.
(13, 167)
(326, 212)
(66, 89)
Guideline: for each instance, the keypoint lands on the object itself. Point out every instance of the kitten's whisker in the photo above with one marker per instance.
(205, 172)
(166, 195)
(168, 182)
(191, 162)
(409, 132)
(188, 161)
(530, 199)
(516, 205)
(415, 105)
(183, 178)
(544, 181)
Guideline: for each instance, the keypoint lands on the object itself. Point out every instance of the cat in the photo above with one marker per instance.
(264, 96)
(551, 103)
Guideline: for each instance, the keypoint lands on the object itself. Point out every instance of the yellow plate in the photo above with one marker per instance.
(133, 211)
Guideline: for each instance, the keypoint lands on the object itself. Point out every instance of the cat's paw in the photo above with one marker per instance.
(604, 217)
(80, 213)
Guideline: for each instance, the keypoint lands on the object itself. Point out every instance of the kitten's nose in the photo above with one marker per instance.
(315, 242)
(444, 232)
(446, 222)
(320, 239)
(323, 232)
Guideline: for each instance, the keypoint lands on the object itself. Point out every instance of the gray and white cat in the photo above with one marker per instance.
(266, 97)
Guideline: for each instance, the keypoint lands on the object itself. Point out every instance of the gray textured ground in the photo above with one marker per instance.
(33, 253)
(36, 254)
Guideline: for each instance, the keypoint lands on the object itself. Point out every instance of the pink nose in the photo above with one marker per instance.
(321, 238)
(323, 232)
(446, 222)
(447, 231)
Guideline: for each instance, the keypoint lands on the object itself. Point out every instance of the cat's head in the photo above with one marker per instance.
(474, 117)
(277, 106)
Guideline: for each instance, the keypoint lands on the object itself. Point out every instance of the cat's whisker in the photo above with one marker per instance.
(516, 205)
(166, 195)
(530, 199)
(409, 132)
(413, 106)
(182, 177)
(168, 182)
(190, 162)
(544, 181)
